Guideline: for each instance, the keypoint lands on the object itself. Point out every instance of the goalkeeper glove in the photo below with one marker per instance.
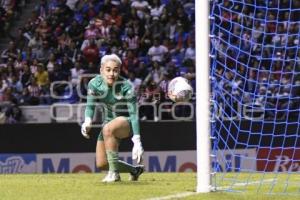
(85, 127)
(137, 150)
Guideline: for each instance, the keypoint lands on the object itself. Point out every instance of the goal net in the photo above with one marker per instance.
(255, 95)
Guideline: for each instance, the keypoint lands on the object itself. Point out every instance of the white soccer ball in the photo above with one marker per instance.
(179, 90)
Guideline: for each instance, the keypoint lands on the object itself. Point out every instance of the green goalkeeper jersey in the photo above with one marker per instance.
(118, 100)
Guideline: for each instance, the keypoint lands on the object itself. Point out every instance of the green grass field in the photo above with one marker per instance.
(150, 186)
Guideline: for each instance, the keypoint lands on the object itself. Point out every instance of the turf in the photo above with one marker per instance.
(150, 186)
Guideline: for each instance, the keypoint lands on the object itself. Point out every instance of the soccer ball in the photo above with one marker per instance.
(179, 90)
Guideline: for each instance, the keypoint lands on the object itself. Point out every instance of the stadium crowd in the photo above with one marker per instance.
(63, 41)
(9, 11)
(257, 64)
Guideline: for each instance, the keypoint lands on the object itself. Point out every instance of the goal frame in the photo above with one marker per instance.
(202, 97)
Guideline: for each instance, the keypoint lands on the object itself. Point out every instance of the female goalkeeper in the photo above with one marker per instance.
(117, 95)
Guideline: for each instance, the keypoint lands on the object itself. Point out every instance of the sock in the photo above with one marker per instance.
(112, 159)
(125, 167)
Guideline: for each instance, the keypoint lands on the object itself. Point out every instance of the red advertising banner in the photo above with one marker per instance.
(278, 159)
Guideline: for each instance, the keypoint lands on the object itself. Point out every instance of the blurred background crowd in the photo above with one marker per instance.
(257, 65)
(54, 53)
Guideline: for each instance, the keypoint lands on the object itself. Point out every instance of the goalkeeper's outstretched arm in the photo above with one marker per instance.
(89, 111)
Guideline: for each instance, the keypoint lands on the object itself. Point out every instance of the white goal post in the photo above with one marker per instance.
(202, 96)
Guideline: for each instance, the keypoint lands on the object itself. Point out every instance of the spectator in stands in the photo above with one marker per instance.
(3, 86)
(42, 9)
(35, 42)
(157, 52)
(13, 114)
(257, 32)
(182, 18)
(156, 8)
(113, 42)
(130, 63)
(16, 85)
(91, 68)
(42, 77)
(156, 27)
(76, 32)
(150, 100)
(136, 82)
(263, 102)
(18, 64)
(91, 11)
(66, 63)
(58, 74)
(140, 6)
(43, 53)
(132, 40)
(10, 69)
(170, 27)
(180, 38)
(51, 62)
(25, 97)
(76, 72)
(64, 41)
(34, 92)
(163, 88)
(190, 52)
(145, 43)
(7, 94)
(91, 31)
(105, 29)
(26, 75)
(141, 71)
(115, 17)
(190, 75)
(11, 52)
(156, 74)
(44, 29)
(91, 51)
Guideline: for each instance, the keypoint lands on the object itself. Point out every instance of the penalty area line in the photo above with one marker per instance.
(186, 194)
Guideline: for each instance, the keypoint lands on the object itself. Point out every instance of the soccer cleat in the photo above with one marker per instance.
(139, 169)
(111, 177)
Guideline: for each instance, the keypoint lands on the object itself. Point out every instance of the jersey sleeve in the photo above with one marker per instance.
(132, 109)
(91, 100)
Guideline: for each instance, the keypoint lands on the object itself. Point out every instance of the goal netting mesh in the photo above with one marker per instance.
(255, 81)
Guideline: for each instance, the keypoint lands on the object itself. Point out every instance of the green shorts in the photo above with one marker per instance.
(100, 136)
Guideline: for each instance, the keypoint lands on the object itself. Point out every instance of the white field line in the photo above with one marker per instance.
(245, 183)
(186, 194)
(173, 196)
